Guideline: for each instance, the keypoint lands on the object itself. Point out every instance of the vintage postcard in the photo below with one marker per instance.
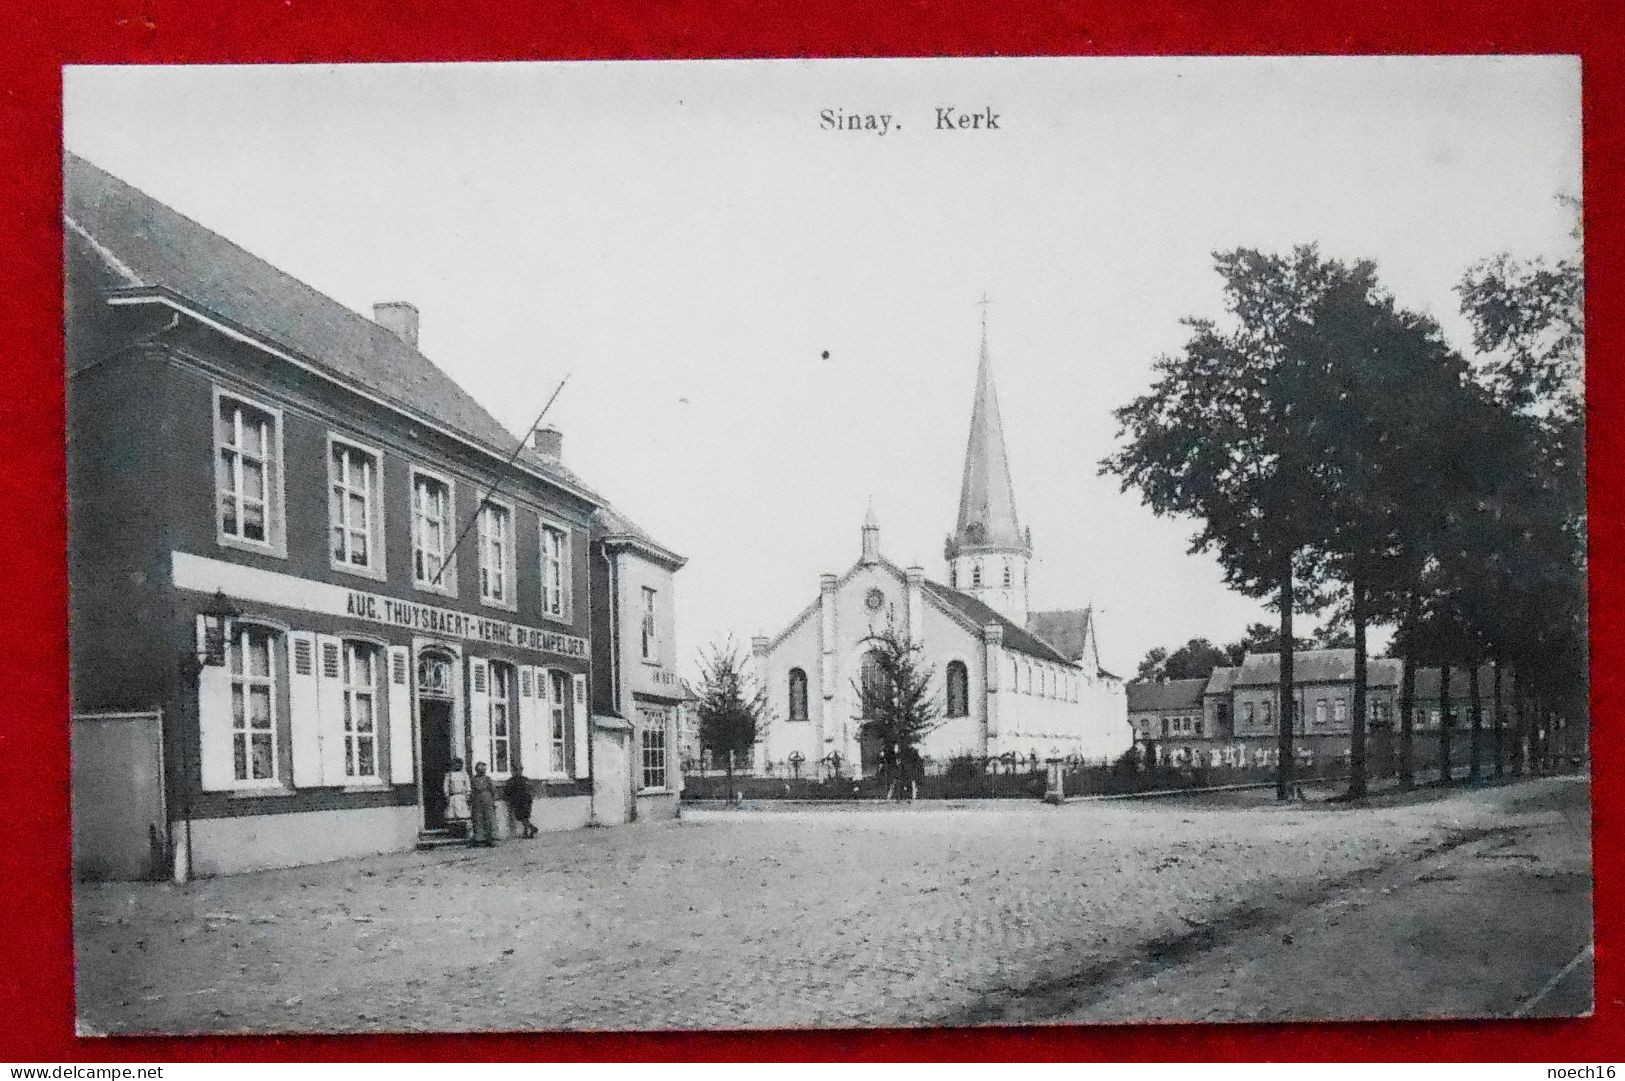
(745, 544)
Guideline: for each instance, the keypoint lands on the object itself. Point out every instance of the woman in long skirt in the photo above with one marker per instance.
(455, 786)
(483, 803)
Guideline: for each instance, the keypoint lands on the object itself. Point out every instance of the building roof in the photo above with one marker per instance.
(987, 500)
(616, 526)
(1313, 666)
(155, 251)
(1221, 680)
(1016, 638)
(1147, 695)
(1067, 629)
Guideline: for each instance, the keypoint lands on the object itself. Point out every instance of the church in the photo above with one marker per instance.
(1007, 680)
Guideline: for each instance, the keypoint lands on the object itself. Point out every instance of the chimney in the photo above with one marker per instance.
(399, 318)
(548, 441)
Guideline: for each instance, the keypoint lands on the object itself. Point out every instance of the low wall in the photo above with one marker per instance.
(228, 846)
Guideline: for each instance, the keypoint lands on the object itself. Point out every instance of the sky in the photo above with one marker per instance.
(687, 240)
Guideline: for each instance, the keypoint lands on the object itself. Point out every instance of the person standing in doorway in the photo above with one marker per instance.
(483, 805)
(455, 786)
(517, 792)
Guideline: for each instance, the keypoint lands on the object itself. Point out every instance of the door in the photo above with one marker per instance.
(434, 726)
(611, 777)
(119, 825)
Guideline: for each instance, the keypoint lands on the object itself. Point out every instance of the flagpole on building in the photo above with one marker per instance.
(497, 482)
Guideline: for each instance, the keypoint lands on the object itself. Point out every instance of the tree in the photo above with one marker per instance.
(894, 694)
(733, 708)
(1229, 434)
(1195, 659)
(1259, 638)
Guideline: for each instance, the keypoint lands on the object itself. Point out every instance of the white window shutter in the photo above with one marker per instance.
(304, 709)
(214, 723)
(582, 725)
(479, 713)
(532, 723)
(330, 699)
(399, 693)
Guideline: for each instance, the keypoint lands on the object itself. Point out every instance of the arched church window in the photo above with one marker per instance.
(976, 574)
(953, 576)
(1008, 579)
(871, 682)
(958, 689)
(798, 695)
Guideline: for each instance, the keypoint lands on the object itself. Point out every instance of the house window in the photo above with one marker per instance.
(360, 710)
(1320, 711)
(652, 742)
(651, 641)
(958, 689)
(1165, 728)
(431, 532)
(555, 572)
(1198, 726)
(501, 716)
(247, 472)
(798, 695)
(352, 507)
(1269, 712)
(1340, 711)
(1251, 718)
(560, 703)
(251, 662)
(496, 554)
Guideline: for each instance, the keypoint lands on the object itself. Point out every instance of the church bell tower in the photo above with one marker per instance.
(988, 552)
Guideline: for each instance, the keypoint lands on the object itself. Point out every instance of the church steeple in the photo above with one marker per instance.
(988, 551)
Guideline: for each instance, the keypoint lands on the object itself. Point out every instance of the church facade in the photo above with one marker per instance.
(1006, 680)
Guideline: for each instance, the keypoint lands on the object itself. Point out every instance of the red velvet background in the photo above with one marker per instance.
(36, 984)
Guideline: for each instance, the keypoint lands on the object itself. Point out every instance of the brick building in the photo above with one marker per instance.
(239, 442)
(1232, 716)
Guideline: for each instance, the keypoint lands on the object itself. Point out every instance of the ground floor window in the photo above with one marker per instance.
(251, 660)
(652, 743)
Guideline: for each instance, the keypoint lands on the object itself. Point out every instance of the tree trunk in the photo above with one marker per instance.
(1520, 735)
(1357, 722)
(1407, 705)
(730, 769)
(1283, 743)
(1445, 723)
(1475, 713)
(1497, 746)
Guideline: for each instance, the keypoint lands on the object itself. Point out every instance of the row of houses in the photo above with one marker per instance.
(309, 574)
(1236, 708)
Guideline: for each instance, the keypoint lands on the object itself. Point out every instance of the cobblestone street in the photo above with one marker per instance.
(852, 916)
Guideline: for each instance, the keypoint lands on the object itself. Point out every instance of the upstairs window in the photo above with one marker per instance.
(431, 533)
(248, 475)
(650, 635)
(798, 695)
(555, 572)
(352, 508)
(496, 554)
(958, 689)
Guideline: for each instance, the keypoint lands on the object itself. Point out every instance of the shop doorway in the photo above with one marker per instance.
(434, 721)
(435, 686)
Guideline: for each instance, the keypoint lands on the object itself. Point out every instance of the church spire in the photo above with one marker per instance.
(987, 500)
